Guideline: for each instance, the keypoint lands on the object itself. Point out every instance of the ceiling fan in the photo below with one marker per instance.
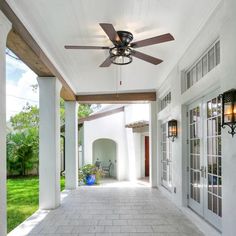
(123, 50)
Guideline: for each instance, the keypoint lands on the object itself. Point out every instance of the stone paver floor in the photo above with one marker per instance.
(114, 208)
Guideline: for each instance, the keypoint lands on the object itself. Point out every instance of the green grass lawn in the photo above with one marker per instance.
(22, 199)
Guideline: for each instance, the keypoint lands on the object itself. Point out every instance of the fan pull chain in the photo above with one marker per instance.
(120, 74)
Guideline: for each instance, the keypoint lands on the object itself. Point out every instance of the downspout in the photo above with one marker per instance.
(64, 148)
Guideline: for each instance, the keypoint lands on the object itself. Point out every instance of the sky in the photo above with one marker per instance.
(19, 81)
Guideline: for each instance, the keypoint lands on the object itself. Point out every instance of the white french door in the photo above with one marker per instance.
(195, 150)
(204, 153)
(166, 160)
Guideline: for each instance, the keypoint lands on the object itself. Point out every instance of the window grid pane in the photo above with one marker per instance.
(200, 68)
(194, 142)
(214, 158)
(166, 157)
(165, 100)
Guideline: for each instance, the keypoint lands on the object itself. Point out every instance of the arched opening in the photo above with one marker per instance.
(105, 155)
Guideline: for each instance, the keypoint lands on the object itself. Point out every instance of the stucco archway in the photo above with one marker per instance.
(105, 151)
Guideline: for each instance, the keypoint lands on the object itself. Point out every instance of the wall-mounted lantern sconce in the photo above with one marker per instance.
(229, 110)
(172, 129)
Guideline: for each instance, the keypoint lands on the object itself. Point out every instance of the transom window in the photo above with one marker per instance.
(209, 60)
(166, 100)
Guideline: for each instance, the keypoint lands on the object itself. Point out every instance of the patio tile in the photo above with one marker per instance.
(105, 222)
(62, 229)
(144, 229)
(113, 210)
(80, 229)
(119, 222)
(112, 229)
(96, 229)
(166, 228)
(128, 229)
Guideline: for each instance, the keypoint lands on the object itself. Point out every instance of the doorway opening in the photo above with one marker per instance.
(105, 156)
(146, 156)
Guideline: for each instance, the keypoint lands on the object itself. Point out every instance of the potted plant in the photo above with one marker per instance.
(90, 174)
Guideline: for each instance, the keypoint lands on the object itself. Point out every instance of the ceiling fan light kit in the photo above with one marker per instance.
(122, 53)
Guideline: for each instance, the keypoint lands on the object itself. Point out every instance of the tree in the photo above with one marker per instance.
(23, 139)
(22, 150)
(27, 118)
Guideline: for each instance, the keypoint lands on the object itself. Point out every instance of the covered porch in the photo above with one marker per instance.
(190, 178)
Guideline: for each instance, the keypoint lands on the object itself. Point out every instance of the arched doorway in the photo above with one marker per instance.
(105, 152)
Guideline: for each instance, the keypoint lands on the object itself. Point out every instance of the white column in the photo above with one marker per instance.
(49, 142)
(153, 143)
(228, 81)
(71, 147)
(5, 27)
(131, 155)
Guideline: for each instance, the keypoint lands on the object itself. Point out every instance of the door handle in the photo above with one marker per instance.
(203, 171)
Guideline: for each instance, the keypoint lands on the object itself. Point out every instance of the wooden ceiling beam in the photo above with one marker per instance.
(117, 98)
(22, 50)
(21, 42)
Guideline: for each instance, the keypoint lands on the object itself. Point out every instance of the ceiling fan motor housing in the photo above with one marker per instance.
(125, 37)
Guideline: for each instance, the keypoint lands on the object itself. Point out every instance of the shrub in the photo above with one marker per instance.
(90, 170)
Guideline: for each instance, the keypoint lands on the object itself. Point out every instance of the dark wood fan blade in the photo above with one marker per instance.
(84, 47)
(155, 40)
(106, 63)
(147, 58)
(111, 32)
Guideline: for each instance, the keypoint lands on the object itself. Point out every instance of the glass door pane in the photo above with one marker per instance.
(213, 191)
(166, 176)
(195, 159)
(205, 158)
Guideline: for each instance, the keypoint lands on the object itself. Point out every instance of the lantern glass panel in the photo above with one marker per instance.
(172, 128)
(234, 111)
(228, 112)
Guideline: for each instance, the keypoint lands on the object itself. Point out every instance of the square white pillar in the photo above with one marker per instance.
(5, 27)
(71, 144)
(153, 144)
(228, 81)
(49, 142)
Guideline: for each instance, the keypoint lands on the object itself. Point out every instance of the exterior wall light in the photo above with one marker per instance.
(172, 129)
(229, 110)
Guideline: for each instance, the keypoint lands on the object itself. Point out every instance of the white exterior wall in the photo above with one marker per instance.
(110, 127)
(135, 141)
(222, 25)
(136, 112)
(130, 146)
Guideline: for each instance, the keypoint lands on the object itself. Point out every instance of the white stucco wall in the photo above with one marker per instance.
(130, 146)
(110, 127)
(136, 112)
(222, 25)
(135, 141)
